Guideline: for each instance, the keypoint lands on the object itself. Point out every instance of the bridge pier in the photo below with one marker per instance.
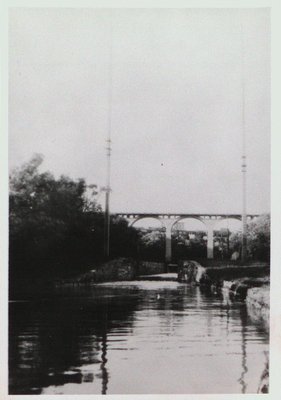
(210, 224)
(168, 247)
(168, 223)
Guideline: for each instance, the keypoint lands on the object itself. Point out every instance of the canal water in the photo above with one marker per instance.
(134, 338)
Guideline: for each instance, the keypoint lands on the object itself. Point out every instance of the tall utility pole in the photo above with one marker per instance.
(244, 159)
(107, 198)
(244, 214)
(108, 152)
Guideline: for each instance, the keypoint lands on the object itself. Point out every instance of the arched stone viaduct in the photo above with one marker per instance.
(169, 220)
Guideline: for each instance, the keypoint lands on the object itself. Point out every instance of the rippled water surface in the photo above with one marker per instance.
(134, 338)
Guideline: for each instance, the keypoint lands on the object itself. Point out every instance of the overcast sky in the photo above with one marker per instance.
(176, 103)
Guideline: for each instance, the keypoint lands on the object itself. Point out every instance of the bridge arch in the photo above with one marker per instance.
(195, 218)
(142, 218)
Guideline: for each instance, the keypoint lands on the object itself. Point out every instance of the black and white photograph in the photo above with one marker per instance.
(139, 162)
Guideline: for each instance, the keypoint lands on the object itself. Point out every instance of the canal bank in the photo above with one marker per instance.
(238, 278)
(248, 283)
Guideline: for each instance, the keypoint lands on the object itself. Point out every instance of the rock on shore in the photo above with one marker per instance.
(240, 287)
(257, 301)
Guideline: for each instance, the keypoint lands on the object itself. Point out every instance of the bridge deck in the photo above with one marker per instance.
(180, 215)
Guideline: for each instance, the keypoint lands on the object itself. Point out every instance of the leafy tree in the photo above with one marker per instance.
(49, 218)
(258, 238)
(151, 246)
(188, 245)
(123, 239)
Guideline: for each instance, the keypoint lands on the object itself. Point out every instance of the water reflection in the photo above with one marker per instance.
(141, 338)
(243, 316)
(51, 340)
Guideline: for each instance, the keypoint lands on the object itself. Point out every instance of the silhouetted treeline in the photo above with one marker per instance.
(56, 225)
